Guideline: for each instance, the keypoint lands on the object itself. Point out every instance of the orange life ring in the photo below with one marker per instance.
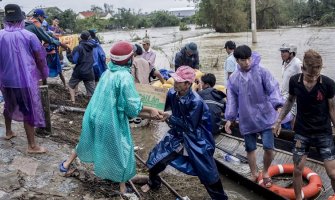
(331, 197)
(310, 190)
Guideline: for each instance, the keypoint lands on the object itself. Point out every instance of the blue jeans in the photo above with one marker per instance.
(324, 145)
(250, 140)
(287, 126)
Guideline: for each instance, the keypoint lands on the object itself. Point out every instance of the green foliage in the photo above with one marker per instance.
(163, 18)
(223, 15)
(90, 23)
(232, 16)
(328, 19)
(183, 26)
(189, 20)
(68, 20)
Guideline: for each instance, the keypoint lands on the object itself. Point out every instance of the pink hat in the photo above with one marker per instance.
(183, 74)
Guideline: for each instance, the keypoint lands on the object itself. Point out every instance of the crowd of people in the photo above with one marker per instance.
(304, 103)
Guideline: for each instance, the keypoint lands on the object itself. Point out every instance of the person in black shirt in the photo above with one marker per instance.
(314, 94)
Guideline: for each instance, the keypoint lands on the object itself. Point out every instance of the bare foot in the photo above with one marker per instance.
(36, 150)
(10, 135)
(123, 188)
(70, 172)
(145, 188)
(255, 177)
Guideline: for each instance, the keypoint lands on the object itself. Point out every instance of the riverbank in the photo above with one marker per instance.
(27, 176)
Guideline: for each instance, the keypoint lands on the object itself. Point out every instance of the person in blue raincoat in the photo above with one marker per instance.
(99, 56)
(189, 145)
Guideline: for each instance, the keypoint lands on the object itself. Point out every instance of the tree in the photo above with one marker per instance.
(97, 9)
(68, 20)
(223, 15)
(108, 8)
(163, 18)
(268, 14)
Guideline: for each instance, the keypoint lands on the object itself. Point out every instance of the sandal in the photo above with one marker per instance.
(62, 168)
(254, 178)
(267, 182)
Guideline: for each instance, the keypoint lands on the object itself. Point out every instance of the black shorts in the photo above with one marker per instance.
(17, 98)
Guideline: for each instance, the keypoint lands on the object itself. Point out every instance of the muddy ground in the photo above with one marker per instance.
(67, 127)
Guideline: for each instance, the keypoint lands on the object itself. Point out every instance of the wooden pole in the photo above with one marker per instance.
(46, 108)
(67, 108)
(163, 181)
(253, 21)
(135, 190)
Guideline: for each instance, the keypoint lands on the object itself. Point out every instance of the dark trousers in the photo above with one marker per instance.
(214, 190)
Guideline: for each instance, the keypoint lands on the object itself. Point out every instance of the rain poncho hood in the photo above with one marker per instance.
(190, 127)
(105, 139)
(82, 56)
(253, 96)
(99, 56)
(22, 65)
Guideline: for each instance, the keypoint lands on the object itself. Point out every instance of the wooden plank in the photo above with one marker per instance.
(46, 109)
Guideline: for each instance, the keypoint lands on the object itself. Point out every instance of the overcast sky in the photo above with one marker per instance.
(82, 5)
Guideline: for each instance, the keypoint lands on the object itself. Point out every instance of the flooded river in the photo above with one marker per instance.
(167, 41)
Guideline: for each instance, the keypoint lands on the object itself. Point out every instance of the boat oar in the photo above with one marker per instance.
(242, 158)
(163, 181)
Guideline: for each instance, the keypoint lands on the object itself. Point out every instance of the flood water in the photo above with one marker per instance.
(167, 41)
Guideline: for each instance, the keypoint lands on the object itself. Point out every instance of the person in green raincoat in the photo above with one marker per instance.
(105, 138)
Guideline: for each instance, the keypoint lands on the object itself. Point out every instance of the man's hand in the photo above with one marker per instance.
(227, 127)
(276, 128)
(155, 114)
(165, 115)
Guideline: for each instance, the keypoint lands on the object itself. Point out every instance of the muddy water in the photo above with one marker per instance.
(167, 41)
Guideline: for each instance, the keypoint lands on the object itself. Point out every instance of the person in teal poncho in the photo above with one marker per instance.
(105, 139)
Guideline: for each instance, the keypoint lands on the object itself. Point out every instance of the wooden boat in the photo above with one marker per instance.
(240, 171)
(283, 142)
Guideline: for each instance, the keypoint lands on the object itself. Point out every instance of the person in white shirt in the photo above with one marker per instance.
(291, 65)
(230, 64)
(150, 56)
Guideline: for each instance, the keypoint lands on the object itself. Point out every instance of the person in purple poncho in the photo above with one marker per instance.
(253, 96)
(22, 65)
